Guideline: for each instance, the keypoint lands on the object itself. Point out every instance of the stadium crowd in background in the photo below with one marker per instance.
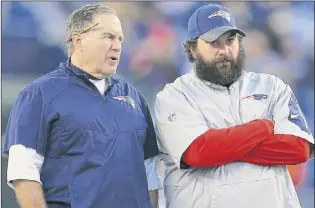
(280, 41)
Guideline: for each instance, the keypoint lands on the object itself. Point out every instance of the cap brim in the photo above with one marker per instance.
(212, 35)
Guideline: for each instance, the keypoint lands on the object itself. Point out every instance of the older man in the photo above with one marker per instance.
(77, 137)
(227, 134)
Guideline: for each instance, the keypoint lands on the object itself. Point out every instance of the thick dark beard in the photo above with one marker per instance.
(223, 76)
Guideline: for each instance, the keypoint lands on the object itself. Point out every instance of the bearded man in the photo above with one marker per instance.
(227, 135)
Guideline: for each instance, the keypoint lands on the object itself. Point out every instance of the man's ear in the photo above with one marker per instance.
(193, 51)
(76, 40)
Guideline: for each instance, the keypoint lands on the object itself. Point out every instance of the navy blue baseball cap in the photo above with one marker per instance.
(210, 21)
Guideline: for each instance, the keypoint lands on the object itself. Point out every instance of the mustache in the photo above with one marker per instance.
(223, 58)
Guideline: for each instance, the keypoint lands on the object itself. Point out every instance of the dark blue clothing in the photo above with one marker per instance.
(94, 145)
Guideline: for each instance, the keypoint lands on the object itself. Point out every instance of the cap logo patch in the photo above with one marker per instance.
(221, 13)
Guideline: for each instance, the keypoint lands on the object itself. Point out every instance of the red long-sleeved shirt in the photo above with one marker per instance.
(279, 149)
(253, 142)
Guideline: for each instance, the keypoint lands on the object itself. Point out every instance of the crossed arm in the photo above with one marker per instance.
(253, 142)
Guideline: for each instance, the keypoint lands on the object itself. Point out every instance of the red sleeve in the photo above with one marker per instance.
(279, 149)
(221, 146)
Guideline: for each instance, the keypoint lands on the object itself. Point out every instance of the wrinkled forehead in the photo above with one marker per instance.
(108, 22)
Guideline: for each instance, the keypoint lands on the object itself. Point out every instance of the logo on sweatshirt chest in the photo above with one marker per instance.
(127, 100)
(261, 97)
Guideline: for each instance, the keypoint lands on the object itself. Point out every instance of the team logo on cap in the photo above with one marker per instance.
(221, 13)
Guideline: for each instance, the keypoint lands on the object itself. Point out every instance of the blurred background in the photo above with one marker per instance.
(280, 41)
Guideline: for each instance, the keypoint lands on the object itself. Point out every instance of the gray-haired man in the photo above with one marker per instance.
(77, 137)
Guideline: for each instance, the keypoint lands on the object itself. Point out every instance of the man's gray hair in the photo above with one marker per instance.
(80, 19)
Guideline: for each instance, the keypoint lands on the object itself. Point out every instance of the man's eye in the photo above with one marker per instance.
(107, 36)
(231, 40)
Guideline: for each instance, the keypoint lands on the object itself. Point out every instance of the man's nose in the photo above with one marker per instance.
(116, 45)
(223, 50)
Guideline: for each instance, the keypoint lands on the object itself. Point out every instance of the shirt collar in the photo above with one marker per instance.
(78, 72)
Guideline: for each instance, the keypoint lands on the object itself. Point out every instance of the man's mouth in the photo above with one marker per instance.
(113, 58)
(223, 61)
